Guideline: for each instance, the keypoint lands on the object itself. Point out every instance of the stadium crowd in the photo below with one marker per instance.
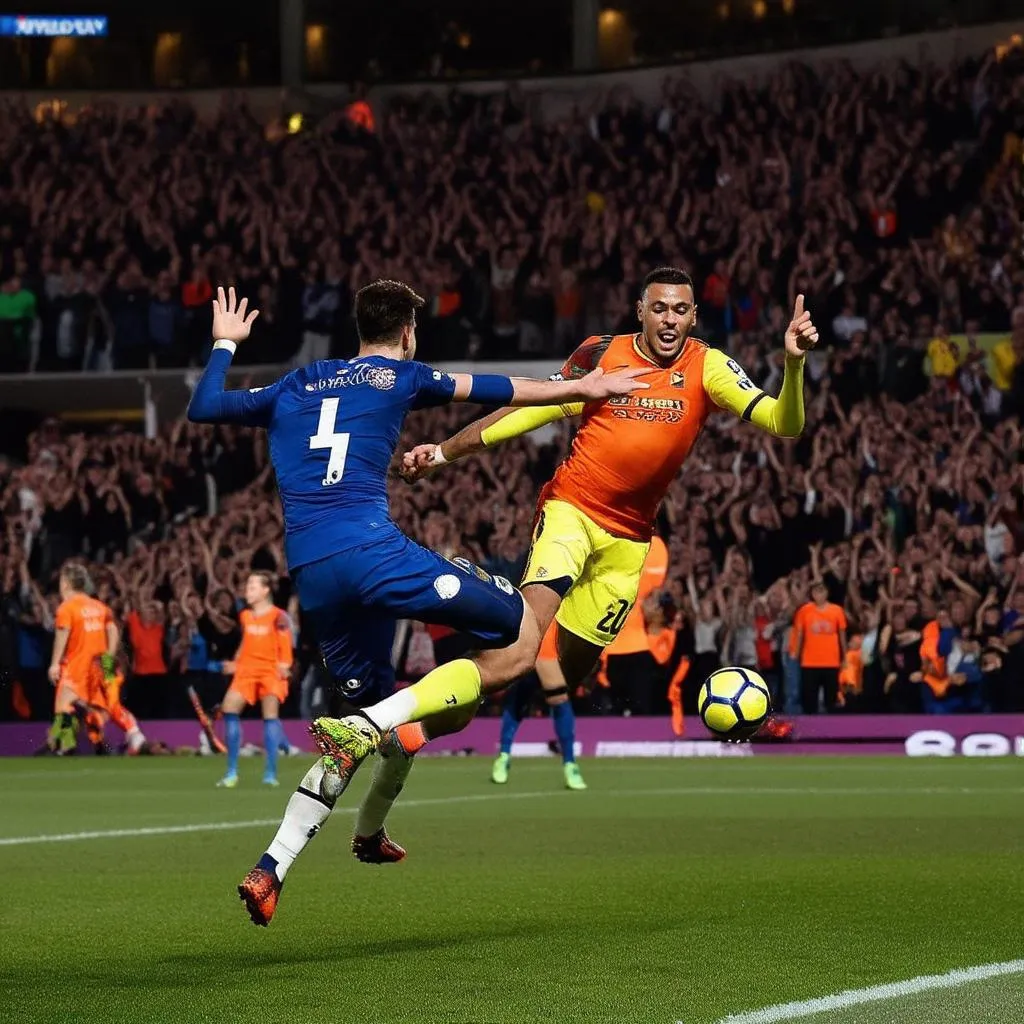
(887, 197)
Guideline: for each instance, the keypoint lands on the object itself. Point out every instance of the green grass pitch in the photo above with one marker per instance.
(669, 891)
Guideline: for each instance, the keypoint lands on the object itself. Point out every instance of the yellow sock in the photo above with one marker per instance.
(454, 685)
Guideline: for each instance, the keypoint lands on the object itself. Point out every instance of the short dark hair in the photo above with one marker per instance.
(266, 578)
(666, 275)
(77, 577)
(383, 308)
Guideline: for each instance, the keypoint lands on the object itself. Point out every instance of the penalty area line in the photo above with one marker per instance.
(874, 994)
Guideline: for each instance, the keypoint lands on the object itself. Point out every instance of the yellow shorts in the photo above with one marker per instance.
(605, 570)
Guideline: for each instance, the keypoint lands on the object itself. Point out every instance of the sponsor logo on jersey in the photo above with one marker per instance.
(745, 383)
(382, 378)
(447, 586)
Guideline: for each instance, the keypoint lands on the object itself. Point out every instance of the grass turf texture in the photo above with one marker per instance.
(669, 891)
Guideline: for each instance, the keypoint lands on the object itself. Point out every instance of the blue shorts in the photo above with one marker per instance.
(353, 599)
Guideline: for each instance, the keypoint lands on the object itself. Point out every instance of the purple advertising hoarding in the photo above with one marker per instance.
(914, 735)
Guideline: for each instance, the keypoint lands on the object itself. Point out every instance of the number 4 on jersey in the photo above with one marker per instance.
(327, 437)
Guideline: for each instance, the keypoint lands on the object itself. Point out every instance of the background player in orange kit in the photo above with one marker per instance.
(84, 644)
(261, 670)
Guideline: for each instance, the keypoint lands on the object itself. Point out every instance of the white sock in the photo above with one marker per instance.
(308, 808)
(135, 738)
(389, 775)
(393, 711)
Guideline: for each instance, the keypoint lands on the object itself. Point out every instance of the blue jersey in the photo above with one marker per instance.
(332, 427)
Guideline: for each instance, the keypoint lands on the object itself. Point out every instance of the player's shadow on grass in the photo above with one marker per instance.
(207, 965)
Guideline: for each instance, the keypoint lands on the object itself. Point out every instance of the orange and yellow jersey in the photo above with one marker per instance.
(266, 643)
(86, 621)
(628, 449)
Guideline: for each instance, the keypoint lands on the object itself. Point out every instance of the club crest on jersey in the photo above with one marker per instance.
(677, 380)
(474, 570)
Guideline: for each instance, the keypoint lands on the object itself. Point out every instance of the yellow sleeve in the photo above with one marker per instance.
(522, 421)
(730, 388)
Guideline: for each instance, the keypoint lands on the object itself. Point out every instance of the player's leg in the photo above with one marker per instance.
(589, 618)
(94, 722)
(307, 809)
(515, 704)
(357, 649)
(62, 738)
(371, 843)
(232, 707)
(270, 705)
(124, 719)
(556, 695)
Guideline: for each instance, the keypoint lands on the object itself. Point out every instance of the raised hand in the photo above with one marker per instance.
(230, 322)
(801, 334)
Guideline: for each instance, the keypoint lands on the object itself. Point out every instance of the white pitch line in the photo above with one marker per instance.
(875, 994)
(228, 826)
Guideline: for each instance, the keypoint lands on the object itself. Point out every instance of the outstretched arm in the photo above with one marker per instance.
(507, 423)
(494, 389)
(499, 427)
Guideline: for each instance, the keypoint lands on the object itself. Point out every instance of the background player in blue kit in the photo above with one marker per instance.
(332, 428)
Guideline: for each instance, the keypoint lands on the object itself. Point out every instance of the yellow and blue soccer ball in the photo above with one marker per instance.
(734, 703)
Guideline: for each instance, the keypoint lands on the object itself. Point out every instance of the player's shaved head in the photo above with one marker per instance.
(666, 275)
(383, 309)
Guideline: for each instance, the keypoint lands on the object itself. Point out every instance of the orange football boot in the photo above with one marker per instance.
(259, 892)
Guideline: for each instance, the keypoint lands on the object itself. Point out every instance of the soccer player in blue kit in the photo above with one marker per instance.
(332, 429)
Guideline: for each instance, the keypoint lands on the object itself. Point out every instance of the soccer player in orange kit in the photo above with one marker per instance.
(595, 518)
(261, 670)
(84, 645)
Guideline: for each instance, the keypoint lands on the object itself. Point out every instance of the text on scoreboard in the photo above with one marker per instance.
(51, 26)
